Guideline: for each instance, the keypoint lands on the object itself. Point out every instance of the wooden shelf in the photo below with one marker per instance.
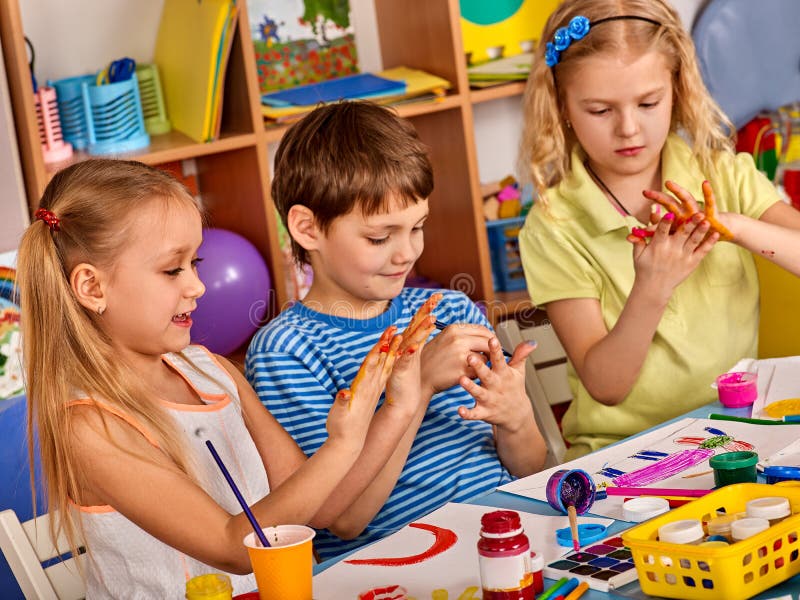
(505, 90)
(169, 147)
(411, 109)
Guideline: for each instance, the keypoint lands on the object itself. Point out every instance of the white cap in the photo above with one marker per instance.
(643, 508)
(771, 507)
(681, 532)
(747, 527)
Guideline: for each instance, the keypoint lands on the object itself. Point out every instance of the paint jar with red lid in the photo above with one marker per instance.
(504, 557)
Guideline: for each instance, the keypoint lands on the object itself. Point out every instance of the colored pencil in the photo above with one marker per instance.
(642, 491)
(250, 516)
(573, 525)
(791, 418)
(439, 325)
(718, 417)
(578, 591)
(555, 588)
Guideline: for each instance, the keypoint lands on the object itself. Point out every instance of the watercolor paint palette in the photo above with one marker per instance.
(605, 565)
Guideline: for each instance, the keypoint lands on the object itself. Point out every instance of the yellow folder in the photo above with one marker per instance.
(187, 54)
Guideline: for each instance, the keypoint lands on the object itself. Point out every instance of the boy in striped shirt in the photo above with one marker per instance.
(351, 184)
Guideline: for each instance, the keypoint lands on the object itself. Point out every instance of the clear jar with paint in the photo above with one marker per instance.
(687, 531)
(721, 526)
(748, 527)
(773, 508)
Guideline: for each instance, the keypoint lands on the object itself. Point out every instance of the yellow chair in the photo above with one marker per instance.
(779, 324)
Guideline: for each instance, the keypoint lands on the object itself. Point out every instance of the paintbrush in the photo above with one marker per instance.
(573, 525)
(439, 325)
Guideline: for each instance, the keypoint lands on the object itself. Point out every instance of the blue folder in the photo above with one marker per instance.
(362, 85)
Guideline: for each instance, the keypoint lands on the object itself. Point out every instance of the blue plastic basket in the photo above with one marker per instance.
(69, 92)
(507, 270)
(114, 118)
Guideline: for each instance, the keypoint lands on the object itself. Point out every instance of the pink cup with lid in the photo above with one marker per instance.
(737, 389)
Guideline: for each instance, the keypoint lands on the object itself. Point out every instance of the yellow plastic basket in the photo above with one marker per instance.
(740, 570)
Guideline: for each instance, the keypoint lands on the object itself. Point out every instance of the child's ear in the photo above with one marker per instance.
(303, 227)
(86, 282)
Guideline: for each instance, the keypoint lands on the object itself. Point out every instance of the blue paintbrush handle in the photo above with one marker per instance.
(256, 527)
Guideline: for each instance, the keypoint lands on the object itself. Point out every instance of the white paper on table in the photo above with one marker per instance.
(778, 379)
(454, 570)
(623, 457)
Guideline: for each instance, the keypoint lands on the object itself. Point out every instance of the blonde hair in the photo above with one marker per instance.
(546, 141)
(64, 348)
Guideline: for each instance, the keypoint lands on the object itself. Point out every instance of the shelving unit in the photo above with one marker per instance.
(233, 171)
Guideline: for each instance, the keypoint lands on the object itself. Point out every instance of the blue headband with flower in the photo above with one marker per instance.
(577, 29)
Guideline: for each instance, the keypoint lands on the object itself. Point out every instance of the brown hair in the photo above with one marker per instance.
(547, 142)
(64, 347)
(347, 155)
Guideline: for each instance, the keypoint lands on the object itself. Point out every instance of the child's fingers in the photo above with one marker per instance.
(483, 372)
(391, 357)
(375, 358)
(697, 235)
(419, 334)
(422, 312)
(707, 244)
(496, 354)
(474, 390)
(664, 225)
(711, 212)
(664, 200)
(689, 203)
(521, 353)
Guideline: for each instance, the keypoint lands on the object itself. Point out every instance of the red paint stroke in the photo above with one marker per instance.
(444, 540)
(391, 592)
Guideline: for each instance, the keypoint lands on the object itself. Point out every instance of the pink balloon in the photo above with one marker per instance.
(237, 291)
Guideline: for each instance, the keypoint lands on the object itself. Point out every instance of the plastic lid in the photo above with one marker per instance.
(747, 527)
(714, 544)
(501, 521)
(721, 524)
(681, 532)
(537, 562)
(643, 508)
(733, 460)
(770, 507)
(588, 533)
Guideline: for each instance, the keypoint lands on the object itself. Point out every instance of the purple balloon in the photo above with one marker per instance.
(237, 290)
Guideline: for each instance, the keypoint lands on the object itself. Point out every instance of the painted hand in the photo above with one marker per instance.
(500, 399)
(352, 410)
(684, 206)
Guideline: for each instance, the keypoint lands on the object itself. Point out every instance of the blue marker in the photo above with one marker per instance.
(641, 457)
(651, 453)
(714, 431)
(791, 418)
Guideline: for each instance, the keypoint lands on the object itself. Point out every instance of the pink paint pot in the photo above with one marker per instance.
(737, 389)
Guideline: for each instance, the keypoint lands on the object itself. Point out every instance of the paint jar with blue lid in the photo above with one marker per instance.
(778, 473)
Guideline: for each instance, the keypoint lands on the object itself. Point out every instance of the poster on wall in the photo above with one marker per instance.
(301, 41)
(502, 28)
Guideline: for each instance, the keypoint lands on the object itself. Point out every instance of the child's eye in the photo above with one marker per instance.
(377, 241)
(174, 272)
(196, 262)
(649, 104)
(599, 111)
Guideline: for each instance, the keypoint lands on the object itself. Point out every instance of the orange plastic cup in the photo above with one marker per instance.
(283, 570)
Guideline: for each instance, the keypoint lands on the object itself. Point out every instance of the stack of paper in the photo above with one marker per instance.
(192, 50)
(387, 87)
(501, 70)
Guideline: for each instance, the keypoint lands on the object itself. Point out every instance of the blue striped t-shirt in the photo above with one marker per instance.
(302, 358)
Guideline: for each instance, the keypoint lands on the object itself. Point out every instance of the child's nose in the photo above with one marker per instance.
(196, 287)
(405, 252)
(627, 124)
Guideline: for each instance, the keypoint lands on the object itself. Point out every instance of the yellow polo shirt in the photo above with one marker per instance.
(578, 250)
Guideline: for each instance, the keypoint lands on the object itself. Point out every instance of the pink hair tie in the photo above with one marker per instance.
(48, 217)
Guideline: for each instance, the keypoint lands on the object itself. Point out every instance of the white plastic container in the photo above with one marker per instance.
(748, 527)
(687, 531)
(772, 508)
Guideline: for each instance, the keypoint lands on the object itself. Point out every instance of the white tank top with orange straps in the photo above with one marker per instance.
(127, 562)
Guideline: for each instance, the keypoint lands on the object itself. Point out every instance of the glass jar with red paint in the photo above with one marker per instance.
(504, 557)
